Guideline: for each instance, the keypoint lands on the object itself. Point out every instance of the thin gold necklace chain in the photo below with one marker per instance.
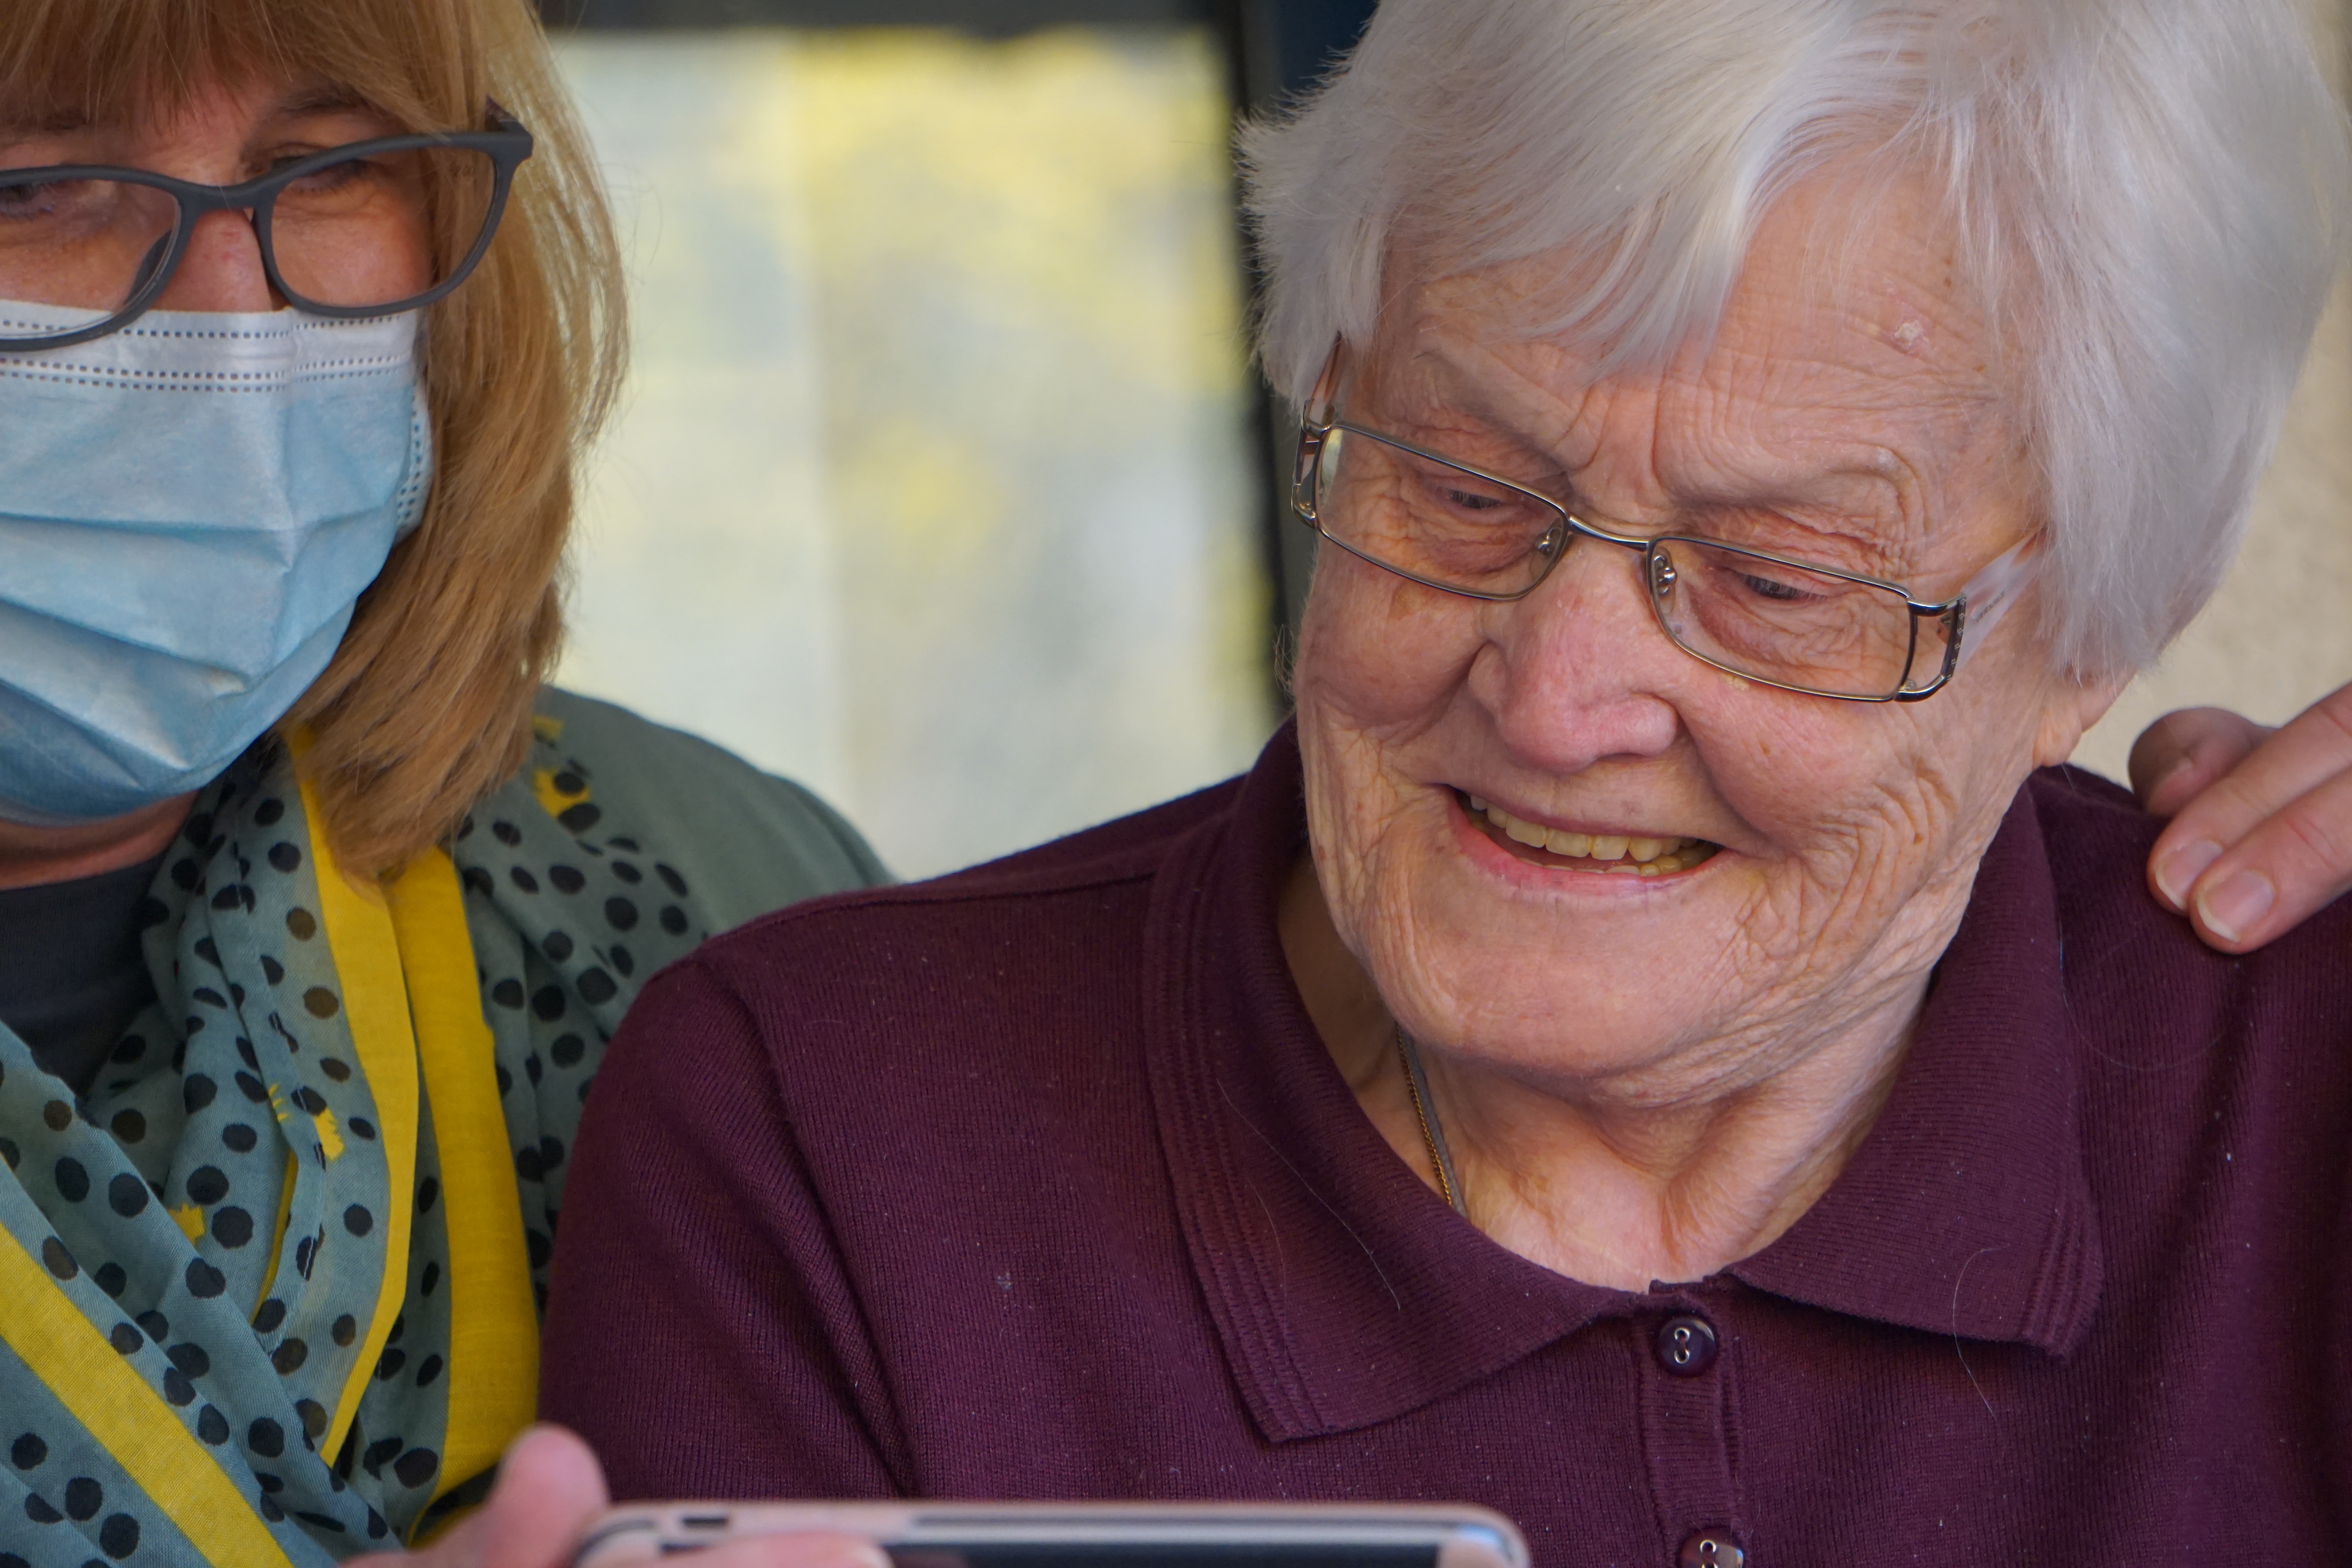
(1432, 1133)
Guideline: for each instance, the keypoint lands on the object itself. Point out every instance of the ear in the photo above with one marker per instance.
(2072, 703)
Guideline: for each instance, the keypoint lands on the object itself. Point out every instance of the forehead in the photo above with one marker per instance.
(1853, 345)
(193, 106)
(119, 64)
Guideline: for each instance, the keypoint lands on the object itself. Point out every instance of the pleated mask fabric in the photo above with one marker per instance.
(190, 509)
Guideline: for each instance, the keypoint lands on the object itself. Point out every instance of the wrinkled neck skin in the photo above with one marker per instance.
(1665, 1172)
(36, 856)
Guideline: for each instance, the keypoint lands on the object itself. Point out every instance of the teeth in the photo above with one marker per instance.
(1525, 833)
(1622, 854)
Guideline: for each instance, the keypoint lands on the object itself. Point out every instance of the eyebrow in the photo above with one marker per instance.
(322, 99)
(42, 122)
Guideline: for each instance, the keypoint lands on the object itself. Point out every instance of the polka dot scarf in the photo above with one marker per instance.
(195, 1260)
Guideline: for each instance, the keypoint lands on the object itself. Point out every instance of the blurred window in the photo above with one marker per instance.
(937, 485)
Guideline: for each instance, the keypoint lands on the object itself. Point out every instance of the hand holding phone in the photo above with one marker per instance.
(551, 1493)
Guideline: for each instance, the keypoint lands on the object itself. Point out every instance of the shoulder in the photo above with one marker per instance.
(906, 1049)
(2213, 1092)
(2097, 841)
(1049, 928)
(751, 841)
(616, 848)
(2094, 831)
(2147, 997)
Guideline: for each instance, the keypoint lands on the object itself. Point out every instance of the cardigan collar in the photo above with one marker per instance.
(1346, 1293)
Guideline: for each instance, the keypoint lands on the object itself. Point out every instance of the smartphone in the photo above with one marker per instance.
(1085, 1535)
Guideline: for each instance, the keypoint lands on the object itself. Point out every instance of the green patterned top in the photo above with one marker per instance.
(194, 1254)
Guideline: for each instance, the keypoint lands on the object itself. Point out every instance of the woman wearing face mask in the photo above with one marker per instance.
(316, 907)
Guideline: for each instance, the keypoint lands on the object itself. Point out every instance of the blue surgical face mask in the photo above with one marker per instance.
(189, 510)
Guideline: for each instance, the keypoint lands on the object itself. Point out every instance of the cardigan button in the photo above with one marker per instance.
(1711, 1549)
(1687, 1344)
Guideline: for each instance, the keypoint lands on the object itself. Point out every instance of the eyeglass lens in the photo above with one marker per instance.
(366, 233)
(1432, 519)
(1780, 623)
(1791, 626)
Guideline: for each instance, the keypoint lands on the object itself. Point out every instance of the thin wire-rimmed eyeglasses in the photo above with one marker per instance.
(1792, 625)
(334, 229)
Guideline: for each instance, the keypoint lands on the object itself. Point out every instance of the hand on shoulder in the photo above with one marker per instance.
(2260, 837)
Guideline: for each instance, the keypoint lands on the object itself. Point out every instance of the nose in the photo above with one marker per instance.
(222, 271)
(1577, 672)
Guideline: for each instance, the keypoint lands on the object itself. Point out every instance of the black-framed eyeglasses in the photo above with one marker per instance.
(1793, 624)
(371, 228)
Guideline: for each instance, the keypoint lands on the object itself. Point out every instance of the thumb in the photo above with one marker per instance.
(2182, 755)
(550, 1488)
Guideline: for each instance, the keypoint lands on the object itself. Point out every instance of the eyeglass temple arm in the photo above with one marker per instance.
(1991, 592)
(1315, 422)
(1326, 387)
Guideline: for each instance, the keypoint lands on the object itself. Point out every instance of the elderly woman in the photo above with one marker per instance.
(1650, 1051)
(316, 909)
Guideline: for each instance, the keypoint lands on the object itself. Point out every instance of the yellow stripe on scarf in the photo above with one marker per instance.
(127, 1418)
(412, 997)
(358, 922)
(493, 1378)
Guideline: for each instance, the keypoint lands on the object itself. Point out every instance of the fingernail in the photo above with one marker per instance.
(2180, 870)
(2177, 766)
(2232, 909)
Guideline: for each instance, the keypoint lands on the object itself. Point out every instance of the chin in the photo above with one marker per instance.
(1592, 981)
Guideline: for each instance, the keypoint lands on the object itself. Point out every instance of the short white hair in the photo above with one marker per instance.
(2151, 195)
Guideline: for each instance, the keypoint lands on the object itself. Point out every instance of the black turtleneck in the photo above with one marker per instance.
(71, 973)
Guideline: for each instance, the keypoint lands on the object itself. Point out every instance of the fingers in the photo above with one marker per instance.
(2271, 842)
(2285, 869)
(550, 1488)
(2185, 753)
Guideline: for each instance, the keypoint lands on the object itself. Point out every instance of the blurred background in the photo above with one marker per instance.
(943, 484)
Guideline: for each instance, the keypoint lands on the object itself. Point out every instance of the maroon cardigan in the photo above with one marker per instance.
(1036, 1182)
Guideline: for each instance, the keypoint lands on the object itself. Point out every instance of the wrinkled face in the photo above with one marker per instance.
(1808, 859)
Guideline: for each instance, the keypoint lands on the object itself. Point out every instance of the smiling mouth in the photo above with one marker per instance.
(1626, 855)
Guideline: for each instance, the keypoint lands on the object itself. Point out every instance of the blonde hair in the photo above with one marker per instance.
(427, 707)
